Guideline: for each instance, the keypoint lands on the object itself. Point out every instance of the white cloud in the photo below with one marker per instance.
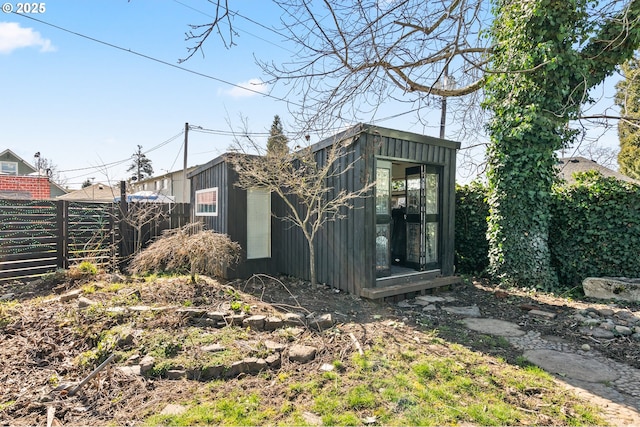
(254, 86)
(13, 36)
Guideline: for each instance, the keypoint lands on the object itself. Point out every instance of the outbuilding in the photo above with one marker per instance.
(397, 239)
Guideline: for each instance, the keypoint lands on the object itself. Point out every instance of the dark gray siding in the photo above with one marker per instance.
(232, 214)
(345, 248)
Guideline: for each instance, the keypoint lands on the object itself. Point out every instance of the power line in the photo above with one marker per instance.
(160, 61)
(197, 72)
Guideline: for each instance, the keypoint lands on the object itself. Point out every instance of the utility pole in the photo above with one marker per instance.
(443, 117)
(184, 166)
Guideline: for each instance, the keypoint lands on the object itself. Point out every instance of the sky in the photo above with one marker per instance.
(84, 83)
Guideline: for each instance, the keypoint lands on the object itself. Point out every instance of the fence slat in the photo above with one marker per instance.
(38, 236)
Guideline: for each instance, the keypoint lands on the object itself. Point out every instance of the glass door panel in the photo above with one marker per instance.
(383, 218)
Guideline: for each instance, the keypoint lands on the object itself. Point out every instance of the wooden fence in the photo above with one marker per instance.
(40, 236)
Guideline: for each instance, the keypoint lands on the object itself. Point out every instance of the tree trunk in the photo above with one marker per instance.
(520, 183)
(312, 262)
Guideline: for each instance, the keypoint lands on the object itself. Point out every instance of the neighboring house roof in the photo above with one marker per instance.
(94, 193)
(567, 166)
(30, 170)
(10, 154)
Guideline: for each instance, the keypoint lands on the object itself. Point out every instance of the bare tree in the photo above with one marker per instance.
(301, 180)
(355, 56)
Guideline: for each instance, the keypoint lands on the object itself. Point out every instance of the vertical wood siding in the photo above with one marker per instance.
(345, 248)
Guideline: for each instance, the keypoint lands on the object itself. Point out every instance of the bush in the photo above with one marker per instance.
(595, 229)
(471, 245)
(188, 250)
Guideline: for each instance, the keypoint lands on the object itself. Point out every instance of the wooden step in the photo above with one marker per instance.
(405, 288)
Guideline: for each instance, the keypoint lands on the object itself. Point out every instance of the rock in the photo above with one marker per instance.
(586, 347)
(601, 333)
(68, 296)
(623, 330)
(216, 315)
(7, 297)
(235, 369)
(620, 288)
(146, 364)
(542, 313)
(272, 323)
(321, 322)
(274, 346)
(274, 360)
(235, 319)
(471, 311)
(302, 353)
(429, 307)
(172, 409)
(255, 322)
(176, 374)
(212, 372)
(132, 370)
(327, 367)
(428, 299)
(84, 302)
(312, 419)
(253, 365)
(293, 319)
(404, 304)
(213, 348)
(606, 312)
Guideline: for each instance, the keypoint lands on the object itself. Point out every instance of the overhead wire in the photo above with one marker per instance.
(188, 70)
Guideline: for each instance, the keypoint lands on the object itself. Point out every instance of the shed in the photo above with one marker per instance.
(397, 239)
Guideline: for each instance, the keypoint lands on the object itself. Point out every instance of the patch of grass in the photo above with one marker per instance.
(114, 287)
(8, 312)
(6, 405)
(237, 410)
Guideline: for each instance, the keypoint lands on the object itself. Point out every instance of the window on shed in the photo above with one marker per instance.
(9, 168)
(258, 223)
(207, 202)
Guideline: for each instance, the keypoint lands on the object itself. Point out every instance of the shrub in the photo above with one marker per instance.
(595, 228)
(471, 245)
(82, 271)
(188, 250)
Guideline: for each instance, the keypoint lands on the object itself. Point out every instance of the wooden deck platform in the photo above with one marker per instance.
(408, 286)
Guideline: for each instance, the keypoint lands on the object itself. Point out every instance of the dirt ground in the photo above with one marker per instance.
(38, 342)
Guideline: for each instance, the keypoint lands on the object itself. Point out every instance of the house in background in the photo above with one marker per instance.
(20, 180)
(171, 184)
(396, 240)
(567, 166)
(97, 192)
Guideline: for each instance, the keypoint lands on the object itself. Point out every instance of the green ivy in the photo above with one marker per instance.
(594, 229)
(546, 55)
(471, 245)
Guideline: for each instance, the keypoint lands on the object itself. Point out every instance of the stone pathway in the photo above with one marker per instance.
(612, 385)
(605, 382)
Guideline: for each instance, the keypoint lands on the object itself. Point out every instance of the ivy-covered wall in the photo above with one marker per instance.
(471, 245)
(594, 229)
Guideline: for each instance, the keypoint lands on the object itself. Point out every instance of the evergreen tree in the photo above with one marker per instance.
(87, 183)
(277, 142)
(628, 99)
(141, 165)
